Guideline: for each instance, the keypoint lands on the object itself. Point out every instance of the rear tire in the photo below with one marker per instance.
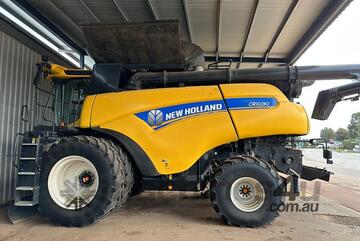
(245, 190)
(87, 161)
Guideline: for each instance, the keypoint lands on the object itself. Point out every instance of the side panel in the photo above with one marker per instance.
(174, 126)
(85, 115)
(263, 111)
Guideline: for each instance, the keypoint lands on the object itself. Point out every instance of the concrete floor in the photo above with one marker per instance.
(187, 216)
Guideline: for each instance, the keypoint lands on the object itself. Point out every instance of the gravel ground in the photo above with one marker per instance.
(187, 216)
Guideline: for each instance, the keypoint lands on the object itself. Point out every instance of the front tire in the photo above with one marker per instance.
(130, 179)
(82, 180)
(245, 190)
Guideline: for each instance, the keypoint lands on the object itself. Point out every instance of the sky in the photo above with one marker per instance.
(339, 44)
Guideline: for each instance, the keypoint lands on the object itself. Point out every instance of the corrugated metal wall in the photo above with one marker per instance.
(16, 73)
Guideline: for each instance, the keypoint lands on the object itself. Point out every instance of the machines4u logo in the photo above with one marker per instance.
(155, 117)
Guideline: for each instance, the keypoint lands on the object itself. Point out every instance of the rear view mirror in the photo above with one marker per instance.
(41, 70)
(327, 154)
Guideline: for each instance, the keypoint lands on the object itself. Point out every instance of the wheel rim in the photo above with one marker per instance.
(247, 194)
(73, 182)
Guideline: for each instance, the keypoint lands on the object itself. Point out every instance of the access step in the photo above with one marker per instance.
(27, 173)
(29, 144)
(28, 158)
(25, 203)
(26, 188)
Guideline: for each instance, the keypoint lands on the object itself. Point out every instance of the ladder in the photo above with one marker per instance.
(28, 172)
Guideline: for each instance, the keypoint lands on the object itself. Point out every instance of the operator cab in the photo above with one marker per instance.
(69, 98)
(69, 87)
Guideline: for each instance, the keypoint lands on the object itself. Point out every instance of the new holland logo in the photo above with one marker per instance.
(158, 118)
(161, 117)
(155, 118)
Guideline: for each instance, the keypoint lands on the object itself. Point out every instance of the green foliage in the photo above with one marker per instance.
(347, 144)
(348, 137)
(354, 126)
(341, 134)
(306, 145)
(327, 133)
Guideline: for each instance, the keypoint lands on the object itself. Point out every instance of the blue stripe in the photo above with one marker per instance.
(158, 118)
(250, 103)
(177, 112)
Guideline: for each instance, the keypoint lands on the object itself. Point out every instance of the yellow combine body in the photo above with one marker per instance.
(176, 126)
(56, 71)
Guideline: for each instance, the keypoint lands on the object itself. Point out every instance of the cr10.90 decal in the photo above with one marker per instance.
(161, 117)
(250, 103)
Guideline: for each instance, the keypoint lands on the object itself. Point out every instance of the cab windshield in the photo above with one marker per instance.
(68, 101)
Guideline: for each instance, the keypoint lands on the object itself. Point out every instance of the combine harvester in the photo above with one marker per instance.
(149, 117)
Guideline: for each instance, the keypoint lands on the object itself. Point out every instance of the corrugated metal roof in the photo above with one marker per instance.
(169, 10)
(235, 19)
(265, 29)
(305, 13)
(267, 19)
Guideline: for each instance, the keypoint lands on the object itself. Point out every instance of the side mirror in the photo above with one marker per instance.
(327, 154)
(41, 70)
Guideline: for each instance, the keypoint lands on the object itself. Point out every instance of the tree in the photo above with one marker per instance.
(341, 134)
(347, 144)
(327, 133)
(354, 126)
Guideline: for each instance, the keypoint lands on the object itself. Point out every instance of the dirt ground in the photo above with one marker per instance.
(170, 216)
(187, 216)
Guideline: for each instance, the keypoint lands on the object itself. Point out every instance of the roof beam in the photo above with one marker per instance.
(152, 10)
(89, 10)
(120, 10)
(44, 21)
(279, 30)
(328, 15)
(29, 41)
(248, 29)
(79, 34)
(63, 15)
(245, 59)
(188, 24)
(218, 25)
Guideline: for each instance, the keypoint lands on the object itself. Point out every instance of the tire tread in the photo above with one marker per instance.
(236, 160)
(114, 160)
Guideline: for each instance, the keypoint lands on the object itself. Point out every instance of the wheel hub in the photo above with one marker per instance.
(86, 178)
(245, 191)
(247, 194)
(73, 182)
